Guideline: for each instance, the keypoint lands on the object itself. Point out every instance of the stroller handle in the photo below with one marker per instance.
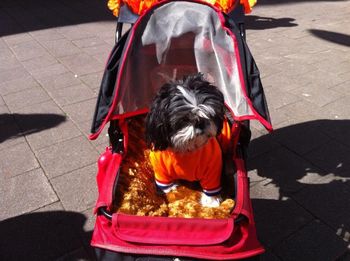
(104, 212)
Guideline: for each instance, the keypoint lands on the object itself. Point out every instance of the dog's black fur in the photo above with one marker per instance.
(170, 112)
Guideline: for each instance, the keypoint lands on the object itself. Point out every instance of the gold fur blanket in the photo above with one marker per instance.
(136, 193)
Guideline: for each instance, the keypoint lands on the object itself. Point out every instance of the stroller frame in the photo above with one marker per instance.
(117, 140)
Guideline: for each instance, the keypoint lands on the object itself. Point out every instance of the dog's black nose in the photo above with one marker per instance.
(201, 124)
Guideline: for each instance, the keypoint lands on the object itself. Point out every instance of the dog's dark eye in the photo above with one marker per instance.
(201, 124)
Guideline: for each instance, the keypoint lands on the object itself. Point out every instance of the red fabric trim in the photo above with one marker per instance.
(240, 73)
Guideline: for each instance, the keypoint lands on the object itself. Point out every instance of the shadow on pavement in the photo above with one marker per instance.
(254, 22)
(20, 17)
(44, 236)
(28, 124)
(304, 174)
(338, 38)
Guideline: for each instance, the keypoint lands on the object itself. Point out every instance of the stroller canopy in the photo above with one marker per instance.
(171, 40)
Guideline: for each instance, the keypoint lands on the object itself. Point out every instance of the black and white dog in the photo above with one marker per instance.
(181, 129)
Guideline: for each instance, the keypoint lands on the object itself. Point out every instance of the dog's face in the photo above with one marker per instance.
(185, 115)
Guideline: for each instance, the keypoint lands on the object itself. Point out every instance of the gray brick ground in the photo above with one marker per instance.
(82, 181)
(52, 57)
(25, 193)
(66, 156)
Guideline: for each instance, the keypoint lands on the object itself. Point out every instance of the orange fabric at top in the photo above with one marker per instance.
(139, 6)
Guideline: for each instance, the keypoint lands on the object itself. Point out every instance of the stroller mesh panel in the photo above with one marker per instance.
(168, 47)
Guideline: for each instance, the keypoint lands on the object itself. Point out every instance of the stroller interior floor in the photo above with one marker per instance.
(136, 193)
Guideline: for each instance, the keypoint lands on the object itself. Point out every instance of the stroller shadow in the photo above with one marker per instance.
(338, 38)
(304, 177)
(35, 15)
(29, 123)
(44, 236)
(254, 22)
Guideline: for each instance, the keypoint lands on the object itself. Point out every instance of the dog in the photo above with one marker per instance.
(182, 126)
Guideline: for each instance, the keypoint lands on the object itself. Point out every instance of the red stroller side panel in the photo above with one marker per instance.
(108, 168)
(199, 238)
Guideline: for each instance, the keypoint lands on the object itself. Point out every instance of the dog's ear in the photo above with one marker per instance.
(157, 128)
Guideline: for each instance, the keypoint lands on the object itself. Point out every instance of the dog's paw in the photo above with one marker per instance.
(210, 201)
(169, 188)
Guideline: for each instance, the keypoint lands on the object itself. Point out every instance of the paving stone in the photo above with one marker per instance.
(8, 63)
(310, 244)
(67, 156)
(277, 117)
(93, 80)
(13, 74)
(45, 124)
(56, 206)
(261, 145)
(319, 79)
(285, 169)
(81, 64)
(294, 69)
(342, 88)
(329, 201)
(46, 35)
(15, 160)
(82, 111)
(333, 66)
(28, 50)
(37, 63)
(266, 69)
(88, 42)
(90, 219)
(51, 70)
(78, 255)
(344, 76)
(101, 51)
(77, 190)
(19, 38)
(332, 157)
(276, 219)
(27, 97)
(17, 85)
(41, 235)
(61, 47)
(73, 33)
(302, 137)
(268, 256)
(345, 256)
(3, 45)
(6, 53)
(338, 109)
(337, 129)
(303, 111)
(311, 58)
(282, 82)
(10, 133)
(24, 193)
(55, 82)
(278, 99)
(72, 94)
(315, 95)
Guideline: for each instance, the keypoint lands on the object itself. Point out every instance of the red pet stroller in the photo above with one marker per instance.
(169, 41)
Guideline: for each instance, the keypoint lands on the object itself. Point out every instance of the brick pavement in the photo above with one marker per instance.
(52, 55)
